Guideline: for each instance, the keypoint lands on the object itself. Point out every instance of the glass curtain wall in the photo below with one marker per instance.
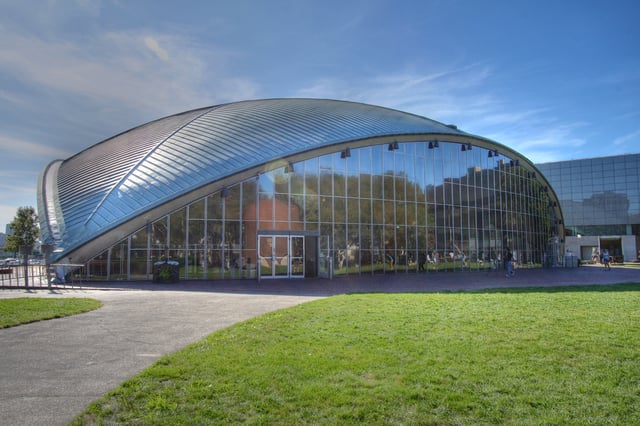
(410, 207)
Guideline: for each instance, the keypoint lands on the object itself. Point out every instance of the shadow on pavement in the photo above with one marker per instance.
(394, 282)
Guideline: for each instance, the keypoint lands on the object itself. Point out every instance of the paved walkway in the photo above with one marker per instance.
(51, 370)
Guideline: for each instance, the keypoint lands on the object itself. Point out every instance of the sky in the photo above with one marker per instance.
(555, 80)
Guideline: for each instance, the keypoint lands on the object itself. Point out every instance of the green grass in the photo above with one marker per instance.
(521, 357)
(22, 310)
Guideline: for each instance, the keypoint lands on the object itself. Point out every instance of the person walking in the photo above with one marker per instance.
(508, 263)
(422, 259)
(606, 260)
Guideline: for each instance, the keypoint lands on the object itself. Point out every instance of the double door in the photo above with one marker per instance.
(281, 256)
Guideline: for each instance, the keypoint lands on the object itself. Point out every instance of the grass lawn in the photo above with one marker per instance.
(22, 310)
(524, 356)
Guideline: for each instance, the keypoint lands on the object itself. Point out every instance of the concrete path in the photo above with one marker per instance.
(51, 370)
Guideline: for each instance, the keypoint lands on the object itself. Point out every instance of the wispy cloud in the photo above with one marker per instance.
(140, 70)
(11, 98)
(441, 94)
(463, 96)
(117, 68)
(15, 148)
(18, 187)
(632, 137)
(153, 45)
(62, 96)
(541, 144)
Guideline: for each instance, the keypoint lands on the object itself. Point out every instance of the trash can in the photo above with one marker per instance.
(166, 271)
(570, 261)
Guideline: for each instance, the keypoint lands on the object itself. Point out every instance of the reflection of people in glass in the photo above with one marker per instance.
(422, 259)
(508, 262)
(341, 258)
(390, 259)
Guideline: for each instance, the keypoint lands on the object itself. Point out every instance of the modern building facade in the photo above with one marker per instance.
(296, 188)
(600, 200)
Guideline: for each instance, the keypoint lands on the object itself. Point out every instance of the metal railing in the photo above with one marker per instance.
(41, 276)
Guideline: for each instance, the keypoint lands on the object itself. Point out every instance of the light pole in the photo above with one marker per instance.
(46, 250)
(24, 251)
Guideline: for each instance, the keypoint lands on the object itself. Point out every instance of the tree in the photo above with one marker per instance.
(25, 229)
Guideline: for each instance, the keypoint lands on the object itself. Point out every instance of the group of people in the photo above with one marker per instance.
(605, 259)
(508, 260)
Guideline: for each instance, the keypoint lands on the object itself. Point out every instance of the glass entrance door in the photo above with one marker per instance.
(281, 256)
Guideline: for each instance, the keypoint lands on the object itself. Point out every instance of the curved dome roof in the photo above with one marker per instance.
(127, 175)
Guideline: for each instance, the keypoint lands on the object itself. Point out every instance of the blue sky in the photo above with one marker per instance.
(555, 80)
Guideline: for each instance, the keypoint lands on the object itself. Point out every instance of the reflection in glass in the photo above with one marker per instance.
(411, 209)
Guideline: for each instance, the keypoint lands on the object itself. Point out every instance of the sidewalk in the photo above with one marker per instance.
(51, 370)
(398, 282)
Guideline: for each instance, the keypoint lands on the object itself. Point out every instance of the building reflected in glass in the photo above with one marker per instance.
(410, 209)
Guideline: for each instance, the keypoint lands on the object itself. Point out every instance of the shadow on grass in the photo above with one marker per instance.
(600, 288)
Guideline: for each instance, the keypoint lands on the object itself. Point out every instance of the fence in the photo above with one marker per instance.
(39, 276)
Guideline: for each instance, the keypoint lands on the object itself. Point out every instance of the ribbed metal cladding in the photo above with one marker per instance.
(124, 176)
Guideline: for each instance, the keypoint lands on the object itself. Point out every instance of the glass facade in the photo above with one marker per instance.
(408, 207)
(600, 198)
